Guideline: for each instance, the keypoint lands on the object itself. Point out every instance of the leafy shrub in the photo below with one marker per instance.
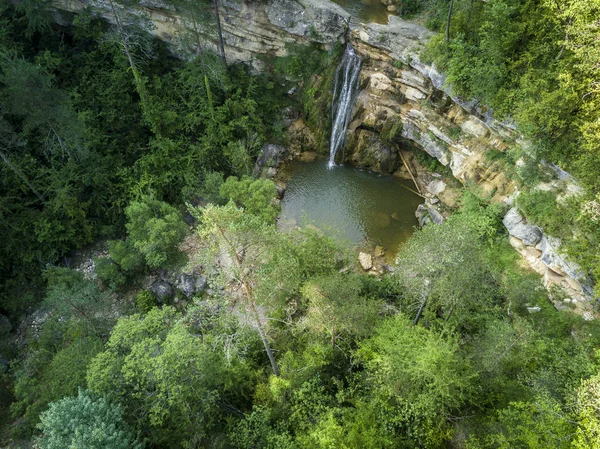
(145, 301)
(211, 190)
(85, 421)
(301, 62)
(255, 196)
(109, 273)
(541, 208)
(155, 230)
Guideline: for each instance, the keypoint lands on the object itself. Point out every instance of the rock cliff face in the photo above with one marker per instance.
(402, 103)
(250, 28)
(399, 92)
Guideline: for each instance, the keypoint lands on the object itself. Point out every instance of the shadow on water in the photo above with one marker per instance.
(369, 11)
(362, 207)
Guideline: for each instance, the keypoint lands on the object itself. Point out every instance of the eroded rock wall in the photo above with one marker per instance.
(251, 28)
(398, 89)
(402, 102)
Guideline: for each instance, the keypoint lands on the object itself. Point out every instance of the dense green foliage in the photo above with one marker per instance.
(84, 421)
(80, 144)
(531, 61)
(105, 136)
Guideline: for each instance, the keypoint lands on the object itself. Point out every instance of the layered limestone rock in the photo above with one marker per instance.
(396, 95)
(250, 28)
(402, 103)
(400, 92)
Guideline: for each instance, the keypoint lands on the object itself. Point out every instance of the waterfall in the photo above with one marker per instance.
(345, 87)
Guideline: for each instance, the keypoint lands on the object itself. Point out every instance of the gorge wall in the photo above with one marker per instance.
(402, 103)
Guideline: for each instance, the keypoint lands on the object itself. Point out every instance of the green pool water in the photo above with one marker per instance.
(357, 206)
(369, 11)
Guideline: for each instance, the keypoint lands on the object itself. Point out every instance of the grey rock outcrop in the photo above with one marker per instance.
(162, 290)
(271, 156)
(436, 186)
(515, 223)
(427, 214)
(320, 21)
(201, 283)
(187, 285)
(549, 246)
(190, 285)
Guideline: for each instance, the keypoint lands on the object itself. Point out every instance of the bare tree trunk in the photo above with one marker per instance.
(250, 302)
(221, 44)
(420, 312)
(63, 146)
(448, 21)
(18, 172)
(263, 337)
(200, 55)
(410, 173)
(136, 74)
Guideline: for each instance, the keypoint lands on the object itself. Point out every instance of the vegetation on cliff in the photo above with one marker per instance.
(290, 345)
(534, 62)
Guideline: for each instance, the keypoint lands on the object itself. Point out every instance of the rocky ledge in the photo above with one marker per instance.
(403, 104)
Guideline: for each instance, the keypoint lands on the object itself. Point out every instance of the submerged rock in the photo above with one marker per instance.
(280, 191)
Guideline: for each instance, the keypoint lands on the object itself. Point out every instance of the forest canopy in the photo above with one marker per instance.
(112, 146)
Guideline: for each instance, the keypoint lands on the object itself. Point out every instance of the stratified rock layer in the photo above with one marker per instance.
(403, 103)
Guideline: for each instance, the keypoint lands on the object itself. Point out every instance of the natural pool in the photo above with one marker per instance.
(355, 205)
(369, 11)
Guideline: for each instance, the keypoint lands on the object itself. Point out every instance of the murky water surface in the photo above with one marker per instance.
(369, 11)
(357, 206)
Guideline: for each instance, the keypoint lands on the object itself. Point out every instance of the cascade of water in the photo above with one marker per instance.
(345, 87)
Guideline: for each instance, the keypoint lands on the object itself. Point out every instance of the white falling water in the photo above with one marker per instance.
(346, 84)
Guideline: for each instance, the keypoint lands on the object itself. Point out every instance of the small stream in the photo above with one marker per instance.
(368, 11)
(360, 207)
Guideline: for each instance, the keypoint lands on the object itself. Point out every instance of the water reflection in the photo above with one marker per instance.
(358, 206)
(369, 11)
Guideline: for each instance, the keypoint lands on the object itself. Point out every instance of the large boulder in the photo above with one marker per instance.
(436, 186)
(187, 285)
(201, 283)
(270, 157)
(366, 261)
(517, 227)
(428, 214)
(162, 290)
